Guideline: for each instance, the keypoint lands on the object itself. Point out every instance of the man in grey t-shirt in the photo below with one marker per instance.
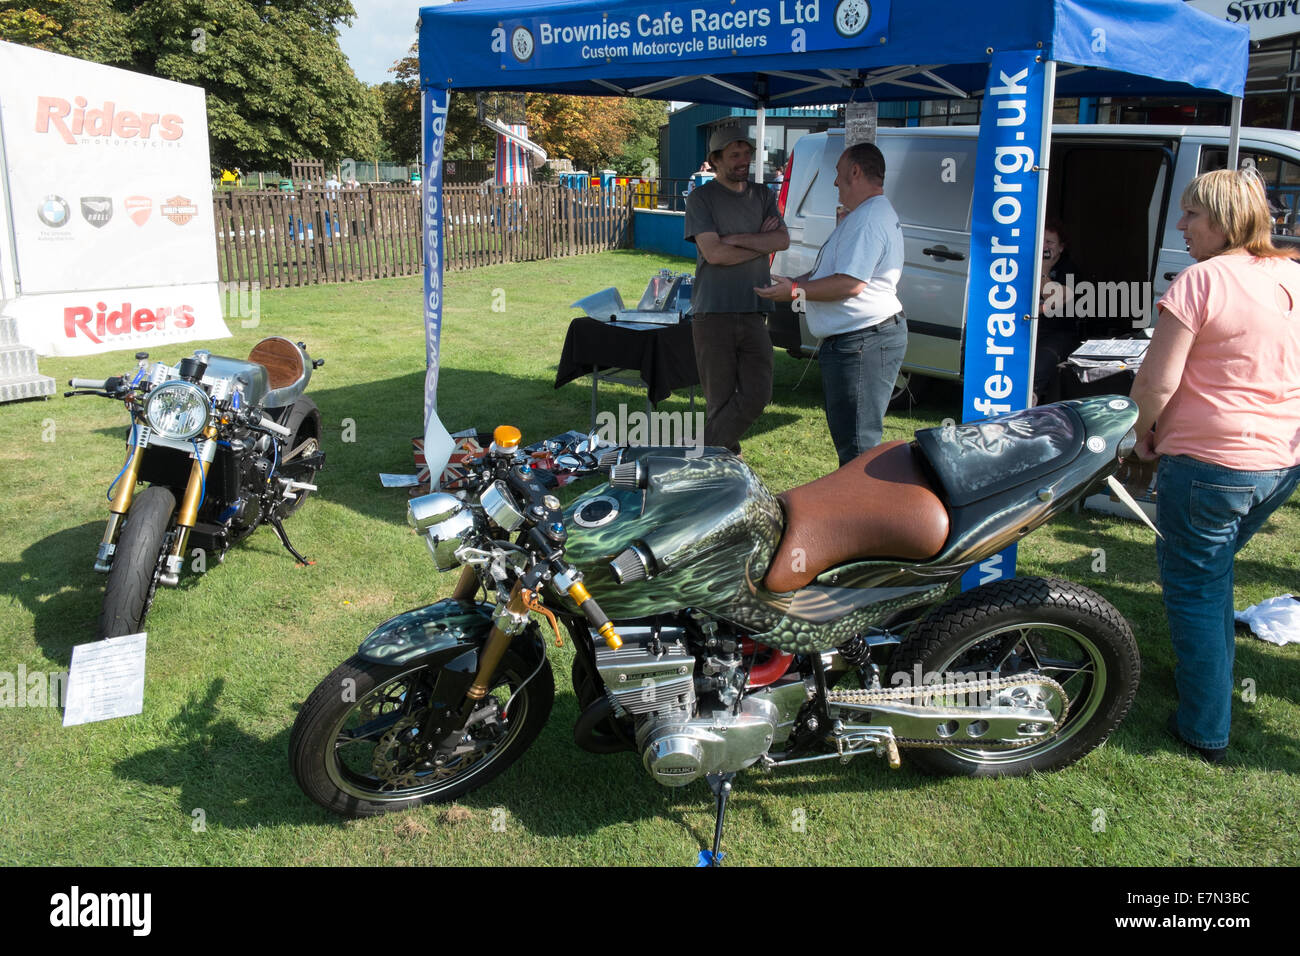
(735, 226)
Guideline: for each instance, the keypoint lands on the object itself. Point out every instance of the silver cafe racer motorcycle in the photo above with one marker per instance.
(720, 627)
(224, 444)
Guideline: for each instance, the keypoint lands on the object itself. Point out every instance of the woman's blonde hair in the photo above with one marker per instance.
(1237, 206)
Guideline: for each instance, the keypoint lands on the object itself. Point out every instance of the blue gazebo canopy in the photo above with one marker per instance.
(747, 52)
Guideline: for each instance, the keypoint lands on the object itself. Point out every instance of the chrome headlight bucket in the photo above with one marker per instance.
(427, 510)
(178, 410)
(500, 506)
(447, 536)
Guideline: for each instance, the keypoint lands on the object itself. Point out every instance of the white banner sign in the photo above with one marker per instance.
(110, 206)
(1266, 18)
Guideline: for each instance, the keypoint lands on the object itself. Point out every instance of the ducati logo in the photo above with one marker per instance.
(179, 210)
(53, 211)
(97, 210)
(139, 208)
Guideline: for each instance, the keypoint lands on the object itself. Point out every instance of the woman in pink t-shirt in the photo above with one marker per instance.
(1219, 400)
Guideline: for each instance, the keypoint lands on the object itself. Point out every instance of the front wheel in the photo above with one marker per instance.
(355, 746)
(1029, 626)
(129, 591)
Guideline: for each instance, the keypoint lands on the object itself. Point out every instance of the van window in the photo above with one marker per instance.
(929, 180)
(821, 197)
(1281, 183)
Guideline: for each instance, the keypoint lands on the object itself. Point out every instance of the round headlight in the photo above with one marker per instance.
(177, 410)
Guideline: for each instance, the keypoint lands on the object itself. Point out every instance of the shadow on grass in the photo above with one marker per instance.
(55, 582)
(230, 774)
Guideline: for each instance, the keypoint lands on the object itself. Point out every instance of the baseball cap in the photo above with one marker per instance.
(724, 136)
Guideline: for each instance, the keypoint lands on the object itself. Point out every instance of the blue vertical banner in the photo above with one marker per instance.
(438, 444)
(1004, 254)
(434, 112)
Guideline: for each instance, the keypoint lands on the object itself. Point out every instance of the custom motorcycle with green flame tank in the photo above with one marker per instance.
(719, 627)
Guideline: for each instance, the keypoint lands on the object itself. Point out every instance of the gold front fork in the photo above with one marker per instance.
(188, 513)
(505, 625)
(123, 495)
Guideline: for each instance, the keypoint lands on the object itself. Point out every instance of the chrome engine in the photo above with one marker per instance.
(688, 725)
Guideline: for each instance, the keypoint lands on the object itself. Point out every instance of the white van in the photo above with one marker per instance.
(1115, 188)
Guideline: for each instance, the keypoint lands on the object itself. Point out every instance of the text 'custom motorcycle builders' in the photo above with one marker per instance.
(224, 444)
(736, 628)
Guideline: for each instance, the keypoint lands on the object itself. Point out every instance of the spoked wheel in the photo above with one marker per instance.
(909, 389)
(355, 747)
(1037, 627)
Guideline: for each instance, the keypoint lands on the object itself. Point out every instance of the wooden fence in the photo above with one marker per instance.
(317, 236)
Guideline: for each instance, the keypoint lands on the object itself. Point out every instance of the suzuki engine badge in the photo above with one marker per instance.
(596, 512)
(1096, 443)
(521, 44)
(852, 17)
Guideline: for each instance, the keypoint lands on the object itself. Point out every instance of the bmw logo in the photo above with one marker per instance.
(53, 211)
(851, 17)
(521, 44)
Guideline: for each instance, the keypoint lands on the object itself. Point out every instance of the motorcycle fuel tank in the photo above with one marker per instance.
(700, 532)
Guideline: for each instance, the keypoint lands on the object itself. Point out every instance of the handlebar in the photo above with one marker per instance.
(98, 385)
(258, 420)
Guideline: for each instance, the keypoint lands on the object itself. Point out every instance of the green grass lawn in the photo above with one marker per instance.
(201, 777)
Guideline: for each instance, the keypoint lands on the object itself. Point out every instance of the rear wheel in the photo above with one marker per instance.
(1043, 627)
(137, 561)
(355, 747)
(304, 425)
(909, 389)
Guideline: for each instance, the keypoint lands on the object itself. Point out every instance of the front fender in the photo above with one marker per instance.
(440, 632)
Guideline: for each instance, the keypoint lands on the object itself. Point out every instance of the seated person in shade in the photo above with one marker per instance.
(1058, 332)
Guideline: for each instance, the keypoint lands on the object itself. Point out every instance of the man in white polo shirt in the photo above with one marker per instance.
(852, 304)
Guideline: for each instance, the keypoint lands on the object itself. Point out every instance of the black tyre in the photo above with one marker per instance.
(352, 750)
(1040, 626)
(909, 389)
(134, 575)
(304, 424)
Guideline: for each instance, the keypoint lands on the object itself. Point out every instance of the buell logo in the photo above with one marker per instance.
(179, 210)
(97, 210)
(139, 208)
(53, 211)
(70, 121)
(99, 324)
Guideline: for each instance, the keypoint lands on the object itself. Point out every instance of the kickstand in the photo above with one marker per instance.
(278, 525)
(720, 784)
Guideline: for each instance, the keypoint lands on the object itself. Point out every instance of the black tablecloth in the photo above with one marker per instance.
(664, 355)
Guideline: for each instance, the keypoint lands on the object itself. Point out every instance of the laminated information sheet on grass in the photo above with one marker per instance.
(106, 680)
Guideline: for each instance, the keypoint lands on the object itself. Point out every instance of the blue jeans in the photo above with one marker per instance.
(1207, 513)
(859, 370)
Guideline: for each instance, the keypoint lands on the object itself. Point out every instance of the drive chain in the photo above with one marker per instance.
(917, 695)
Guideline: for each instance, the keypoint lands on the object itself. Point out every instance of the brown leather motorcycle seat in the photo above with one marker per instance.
(879, 505)
(282, 360)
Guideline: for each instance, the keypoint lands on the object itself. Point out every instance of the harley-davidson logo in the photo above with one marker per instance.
(138, 208)
(179, 210)
(97, 210)
(53, 211)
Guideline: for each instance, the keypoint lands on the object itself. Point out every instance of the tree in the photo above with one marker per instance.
(597, 132)
(278, 86)
(90, 29)
(401, 117)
